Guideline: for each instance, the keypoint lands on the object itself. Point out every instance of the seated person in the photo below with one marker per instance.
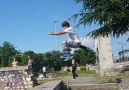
(15, 62)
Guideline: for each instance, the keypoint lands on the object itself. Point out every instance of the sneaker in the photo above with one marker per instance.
(74, 79)
(64, 56)
(69, 56)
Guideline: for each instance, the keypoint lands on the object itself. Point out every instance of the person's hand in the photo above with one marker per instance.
(50, 33)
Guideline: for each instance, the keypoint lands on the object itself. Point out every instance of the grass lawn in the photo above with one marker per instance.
(58, 75)
(82, 73)
(86, 73)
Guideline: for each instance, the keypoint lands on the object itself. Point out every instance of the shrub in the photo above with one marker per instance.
(82, 67)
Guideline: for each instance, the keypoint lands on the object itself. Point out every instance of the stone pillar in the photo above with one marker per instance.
(103, 54)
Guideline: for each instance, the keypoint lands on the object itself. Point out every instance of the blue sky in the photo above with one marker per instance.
(26, 23)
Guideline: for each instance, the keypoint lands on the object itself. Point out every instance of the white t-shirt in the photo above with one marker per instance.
(72, 34)
(44, 69)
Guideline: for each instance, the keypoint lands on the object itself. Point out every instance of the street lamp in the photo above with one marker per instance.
(122, 51)
(121, 45)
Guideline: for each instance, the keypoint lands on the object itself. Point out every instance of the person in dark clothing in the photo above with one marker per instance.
(74, 71)
(74, 67)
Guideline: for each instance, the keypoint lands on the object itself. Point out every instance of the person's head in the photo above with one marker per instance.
(29, 57)
(14, 59)
(65, 24)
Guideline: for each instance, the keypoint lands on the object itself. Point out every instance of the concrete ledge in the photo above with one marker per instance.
(106, 86)
(14, 68)
(51, 85)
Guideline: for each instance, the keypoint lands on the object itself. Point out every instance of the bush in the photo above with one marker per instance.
(82, 67)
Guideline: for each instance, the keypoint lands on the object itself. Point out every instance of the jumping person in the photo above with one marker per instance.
(67, 45)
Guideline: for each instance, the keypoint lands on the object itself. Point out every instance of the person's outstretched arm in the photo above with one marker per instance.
(56, 33)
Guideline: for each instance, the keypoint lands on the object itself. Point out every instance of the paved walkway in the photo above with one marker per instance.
(80, 80)
(125, 84)
(69, 81)
(92, 80)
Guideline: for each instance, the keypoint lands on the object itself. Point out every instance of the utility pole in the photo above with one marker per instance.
(55, 22)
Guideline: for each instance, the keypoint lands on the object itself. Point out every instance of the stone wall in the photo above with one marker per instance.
(15, 78)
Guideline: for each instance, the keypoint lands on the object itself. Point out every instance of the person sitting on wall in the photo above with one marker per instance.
(15, 63)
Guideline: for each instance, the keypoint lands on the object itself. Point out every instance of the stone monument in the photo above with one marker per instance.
(103, 54)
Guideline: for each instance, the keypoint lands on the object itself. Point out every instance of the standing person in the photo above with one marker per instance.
(74, 67)
(30, 65)
(66, 44)
(44, 71)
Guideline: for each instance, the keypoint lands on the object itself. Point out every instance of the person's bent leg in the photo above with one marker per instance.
(73, 44)
(66, 48)
(45, 74)
(83, 47)
(73, 72)
(74, 77)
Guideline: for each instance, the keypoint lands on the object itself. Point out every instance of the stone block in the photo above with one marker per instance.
(25, 82)
(2, 80)
(28, 79)
(18, 87)
(30, 86)
(30, 83)
(23, 78)
(22, 89)
(25, 73)
(7, 88)
(26, 86)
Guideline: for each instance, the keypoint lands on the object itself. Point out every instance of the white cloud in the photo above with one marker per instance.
(86, 42)
(89, 42)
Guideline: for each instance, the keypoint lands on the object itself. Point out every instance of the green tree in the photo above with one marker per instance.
(39, 62)
(85, 57)
(25, 55)
(55, 60)
(7, 51)
(110, 15)
(47, 59)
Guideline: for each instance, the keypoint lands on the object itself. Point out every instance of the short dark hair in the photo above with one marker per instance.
(65, 23)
